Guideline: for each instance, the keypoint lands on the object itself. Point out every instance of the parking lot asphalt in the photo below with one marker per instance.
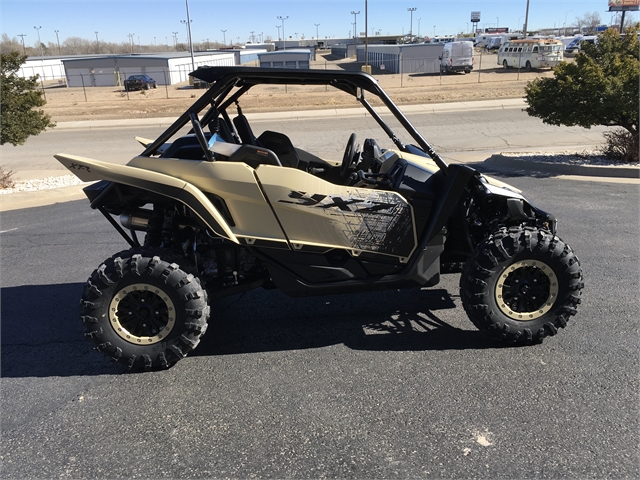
(494, 162)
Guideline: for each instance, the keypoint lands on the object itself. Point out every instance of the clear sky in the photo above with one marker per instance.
(114, 20)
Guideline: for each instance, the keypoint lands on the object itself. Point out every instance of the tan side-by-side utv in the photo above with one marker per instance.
(224, 211)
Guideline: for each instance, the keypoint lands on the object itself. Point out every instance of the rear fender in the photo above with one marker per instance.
(89, 170)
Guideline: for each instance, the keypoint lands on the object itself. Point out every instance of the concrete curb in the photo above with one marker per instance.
(503, 162)
(297, 114)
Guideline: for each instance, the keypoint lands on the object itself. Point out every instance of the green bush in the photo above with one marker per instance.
(19, 98)
(600, 88)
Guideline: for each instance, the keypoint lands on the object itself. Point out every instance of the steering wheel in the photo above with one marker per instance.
(350, 155)
(197, 129)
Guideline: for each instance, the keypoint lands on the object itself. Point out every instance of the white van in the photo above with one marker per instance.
(530, 53)
(494, 43)
(576, 44)
(456, 57)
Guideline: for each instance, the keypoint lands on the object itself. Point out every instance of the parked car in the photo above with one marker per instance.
(224, 210)
(139, 82)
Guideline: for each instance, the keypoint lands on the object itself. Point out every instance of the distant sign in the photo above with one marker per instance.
(475, 17)
(496, 30)
(621, 5)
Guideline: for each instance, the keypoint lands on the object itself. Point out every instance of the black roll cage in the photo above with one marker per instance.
(224, 79)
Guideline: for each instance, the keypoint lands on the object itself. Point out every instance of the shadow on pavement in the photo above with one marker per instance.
(391, 321)
(42, 334)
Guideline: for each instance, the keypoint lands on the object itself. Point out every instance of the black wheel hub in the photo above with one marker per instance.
(142, 314)
(526, 290)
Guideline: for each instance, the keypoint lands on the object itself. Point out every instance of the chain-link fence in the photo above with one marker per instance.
(103, 85)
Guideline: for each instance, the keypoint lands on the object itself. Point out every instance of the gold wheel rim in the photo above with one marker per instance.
(526, 290)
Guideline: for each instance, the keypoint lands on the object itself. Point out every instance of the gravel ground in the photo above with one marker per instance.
(569, 158)
(43, 184)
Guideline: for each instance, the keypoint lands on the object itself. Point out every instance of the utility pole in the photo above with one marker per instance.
(366, 37)
(175, 40)
(97, 44)
(58, 40)
(193, 63)
(24, 50)
(526, 21)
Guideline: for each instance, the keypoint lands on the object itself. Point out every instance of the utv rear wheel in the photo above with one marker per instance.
(521, 285)
(144, 312)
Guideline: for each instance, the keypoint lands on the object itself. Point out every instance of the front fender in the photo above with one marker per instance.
(89, 170)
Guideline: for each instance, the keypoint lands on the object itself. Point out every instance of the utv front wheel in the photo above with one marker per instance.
(521, 285)
(144, 312)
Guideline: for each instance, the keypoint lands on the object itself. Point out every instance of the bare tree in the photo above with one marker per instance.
(8, 45)
(77, 46)
(588, 22)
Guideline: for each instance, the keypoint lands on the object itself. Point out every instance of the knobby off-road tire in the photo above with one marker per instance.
(521, 285)
(142, 311)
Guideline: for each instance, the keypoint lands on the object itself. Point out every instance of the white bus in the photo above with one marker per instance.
(530, 53)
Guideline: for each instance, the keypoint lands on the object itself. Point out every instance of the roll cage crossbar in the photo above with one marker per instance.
(223, 79)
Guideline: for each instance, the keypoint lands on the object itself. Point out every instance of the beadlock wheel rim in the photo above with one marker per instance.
(526, 290)
(142, 314)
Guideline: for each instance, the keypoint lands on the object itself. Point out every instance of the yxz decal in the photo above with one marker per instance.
(78, 166)
(378, 222)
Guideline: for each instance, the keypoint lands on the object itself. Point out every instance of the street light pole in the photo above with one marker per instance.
(278, 27)
(224, 37)
(39, 42)
(175, 40)
(131, 40)
(411, 9)
(355, 24)
(284, 38)
(317, 25)
(97, 44)
(418, 26)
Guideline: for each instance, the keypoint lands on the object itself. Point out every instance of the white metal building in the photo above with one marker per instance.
(294, 58)
(48, 68)
(165, 69)
(411, 58)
